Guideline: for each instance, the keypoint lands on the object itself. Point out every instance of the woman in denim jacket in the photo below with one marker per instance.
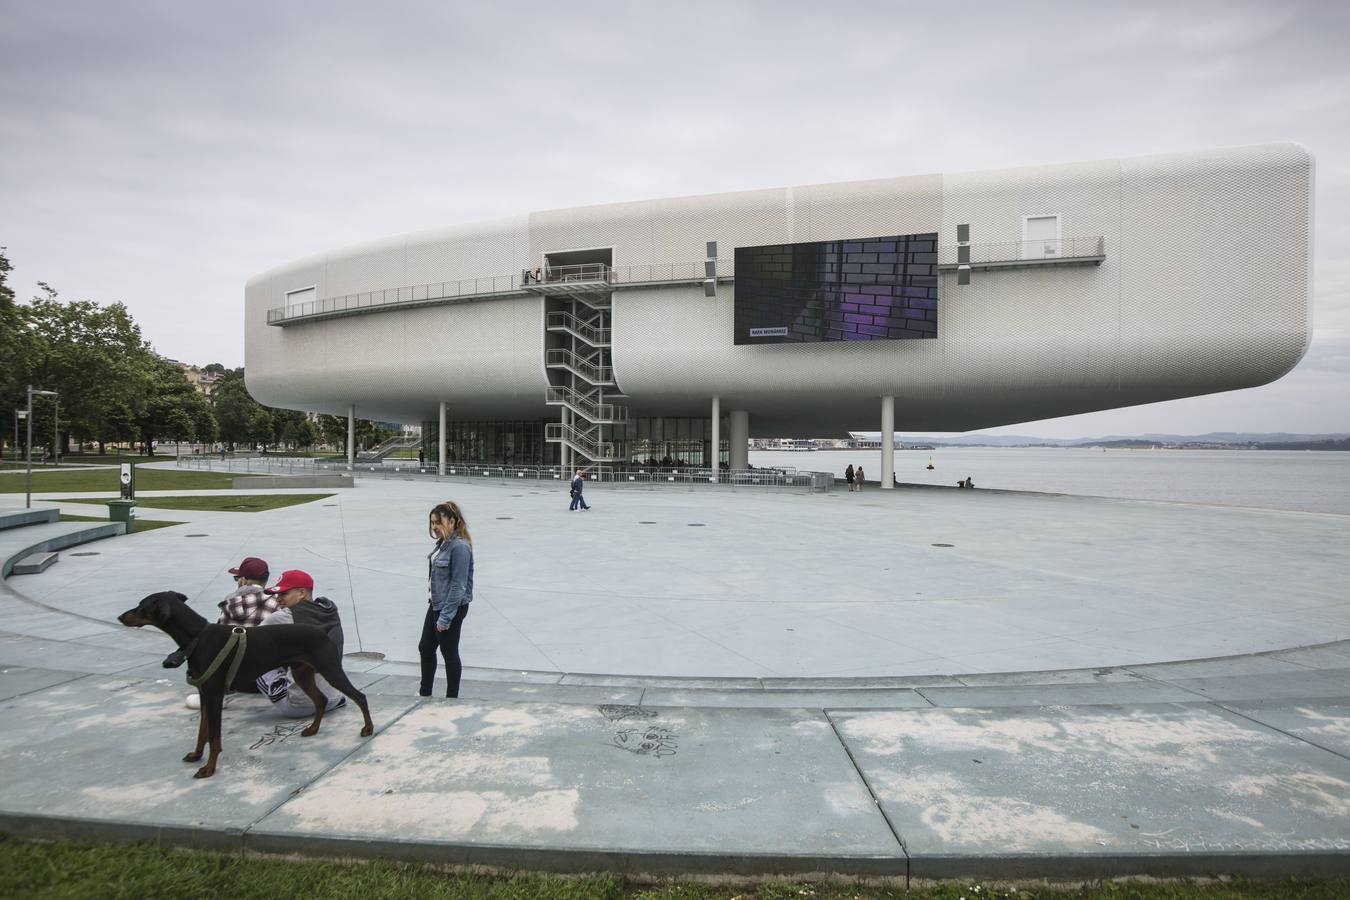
(449, 592)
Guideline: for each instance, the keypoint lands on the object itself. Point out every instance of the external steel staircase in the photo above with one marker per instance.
(577, 359)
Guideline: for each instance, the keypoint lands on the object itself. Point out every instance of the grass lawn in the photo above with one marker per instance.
(139, 871)
(106, 480)
(231, 503)
(140, 525)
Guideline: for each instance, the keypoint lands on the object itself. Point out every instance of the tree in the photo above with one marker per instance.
(333, 430)
(259, 429)
(94, 356)
(233, 407)
(174, 405)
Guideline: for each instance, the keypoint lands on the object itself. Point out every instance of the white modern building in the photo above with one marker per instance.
(662, 329)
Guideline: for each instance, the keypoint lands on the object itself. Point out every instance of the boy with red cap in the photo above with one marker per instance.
(294, 594)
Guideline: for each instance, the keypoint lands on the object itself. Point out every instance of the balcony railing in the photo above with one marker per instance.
(1020, 254)
(555, 278)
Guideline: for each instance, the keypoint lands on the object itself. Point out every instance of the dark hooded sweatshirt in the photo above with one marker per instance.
(322, 614)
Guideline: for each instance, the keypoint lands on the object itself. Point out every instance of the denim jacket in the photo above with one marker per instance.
(450, 575)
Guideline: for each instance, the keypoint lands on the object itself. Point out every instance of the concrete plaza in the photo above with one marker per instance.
(751, 683)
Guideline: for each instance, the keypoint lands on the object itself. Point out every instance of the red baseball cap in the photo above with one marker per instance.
(291, 578)
(252, 568)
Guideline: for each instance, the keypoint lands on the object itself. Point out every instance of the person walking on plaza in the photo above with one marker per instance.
(858, 476)
(848, 476)
(578, 484)
(449, 593)
(298, 606)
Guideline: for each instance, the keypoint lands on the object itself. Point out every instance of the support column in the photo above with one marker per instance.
(351, 436)
(738, 449)
(440, 444)
(887, 443)
(716, 436)
(564, 451)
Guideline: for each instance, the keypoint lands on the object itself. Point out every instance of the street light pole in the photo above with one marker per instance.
(28, 478)
(56, 434)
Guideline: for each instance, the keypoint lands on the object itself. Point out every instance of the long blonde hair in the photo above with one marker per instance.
(450, 511)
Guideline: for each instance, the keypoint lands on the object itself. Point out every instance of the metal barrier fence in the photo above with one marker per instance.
(615, 476)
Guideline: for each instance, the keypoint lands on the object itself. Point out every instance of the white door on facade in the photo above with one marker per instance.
(1040, 237)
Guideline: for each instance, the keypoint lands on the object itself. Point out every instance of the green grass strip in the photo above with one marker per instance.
(216, 503)
(139, 526)
(105, 479)
(136, 871)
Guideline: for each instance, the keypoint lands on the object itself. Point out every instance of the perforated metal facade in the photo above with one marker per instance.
(1206, 286)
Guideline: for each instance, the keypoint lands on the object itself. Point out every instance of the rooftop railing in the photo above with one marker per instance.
(487, 287)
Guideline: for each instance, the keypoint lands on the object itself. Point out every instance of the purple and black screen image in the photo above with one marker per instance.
(868, 289)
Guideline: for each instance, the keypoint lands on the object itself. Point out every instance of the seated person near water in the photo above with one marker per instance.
(299, 606)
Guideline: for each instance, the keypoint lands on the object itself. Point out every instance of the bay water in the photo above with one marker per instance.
(1310, 481)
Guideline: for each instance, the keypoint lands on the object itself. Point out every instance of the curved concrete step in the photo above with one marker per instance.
(16, 543)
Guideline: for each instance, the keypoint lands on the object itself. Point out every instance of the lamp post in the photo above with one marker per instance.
(28, 477)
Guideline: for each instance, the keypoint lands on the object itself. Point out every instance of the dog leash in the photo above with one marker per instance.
(238, 640)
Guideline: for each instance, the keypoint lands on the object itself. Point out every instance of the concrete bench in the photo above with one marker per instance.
(36, 563)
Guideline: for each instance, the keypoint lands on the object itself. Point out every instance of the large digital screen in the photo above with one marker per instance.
(868, 289)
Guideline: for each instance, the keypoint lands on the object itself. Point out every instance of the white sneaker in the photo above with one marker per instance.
(193, 701)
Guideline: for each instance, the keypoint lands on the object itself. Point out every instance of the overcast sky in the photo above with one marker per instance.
(161, 153)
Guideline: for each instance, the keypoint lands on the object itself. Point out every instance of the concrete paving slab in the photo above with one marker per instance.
(844, 699)
(1104, 675)
(109, 749)
(638, 786)
(1252, 664)
(46, 652)
(16, 680)
(1323, 683)
(1334, 655)
(1058, 694)
(1325, 723)
(1000, 791)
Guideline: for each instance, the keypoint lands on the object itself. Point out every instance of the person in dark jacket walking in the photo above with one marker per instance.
(449, 593)
(578, 483)
(848, 476)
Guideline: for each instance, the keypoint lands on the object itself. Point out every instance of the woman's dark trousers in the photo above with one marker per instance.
(447, 642)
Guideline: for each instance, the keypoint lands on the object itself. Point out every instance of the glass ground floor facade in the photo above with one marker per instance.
(668, 441)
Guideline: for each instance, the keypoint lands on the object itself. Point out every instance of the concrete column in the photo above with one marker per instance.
(564, 451)
(716, 435)
(738, 449)
(887, 443)
(440, 444)
(351, 436)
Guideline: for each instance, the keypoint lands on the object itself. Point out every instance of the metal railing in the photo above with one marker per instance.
(1026, 251)
(586, 407)
(614, 474)
(562, 358)
(564, 321)
(467, 289)
(388, 446)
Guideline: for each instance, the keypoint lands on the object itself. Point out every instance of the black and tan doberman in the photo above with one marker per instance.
(304, 648)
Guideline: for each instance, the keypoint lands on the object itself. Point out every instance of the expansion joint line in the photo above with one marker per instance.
(868, 784)
(351, 590)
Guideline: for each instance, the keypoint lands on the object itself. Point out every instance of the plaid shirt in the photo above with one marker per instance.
(246, 606)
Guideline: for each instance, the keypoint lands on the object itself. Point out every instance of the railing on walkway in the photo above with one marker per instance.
(612, 474)
(1017, 253)
(490, 286)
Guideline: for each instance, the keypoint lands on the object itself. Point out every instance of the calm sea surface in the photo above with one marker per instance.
(1272, 479)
